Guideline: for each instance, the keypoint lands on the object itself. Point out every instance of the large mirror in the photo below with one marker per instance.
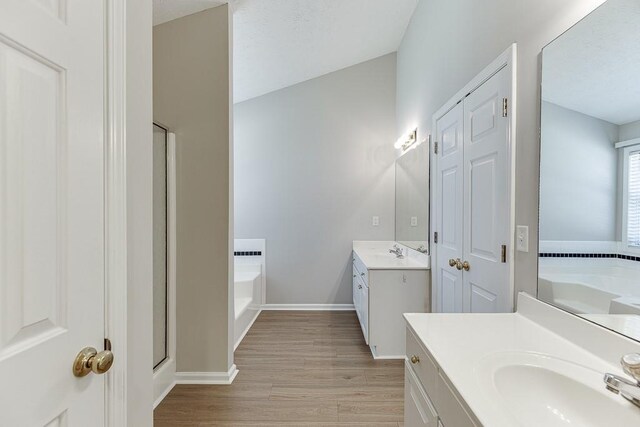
(412, 198)
(589, 261)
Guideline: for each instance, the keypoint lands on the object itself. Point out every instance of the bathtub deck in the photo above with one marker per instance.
(296, 368)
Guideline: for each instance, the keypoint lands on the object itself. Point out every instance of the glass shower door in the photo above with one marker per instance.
(160, 253)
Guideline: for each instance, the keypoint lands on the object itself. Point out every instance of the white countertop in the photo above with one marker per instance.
(376, 256)
(459, 343)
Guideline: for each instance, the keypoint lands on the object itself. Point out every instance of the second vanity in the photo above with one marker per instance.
(537, 367)
(384, 287)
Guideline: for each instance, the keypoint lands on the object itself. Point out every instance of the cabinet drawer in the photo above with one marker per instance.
(418, 409)
(361, 269)
(425, 369)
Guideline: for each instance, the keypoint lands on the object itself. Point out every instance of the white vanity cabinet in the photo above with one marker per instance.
(381, 296)
(429, 398)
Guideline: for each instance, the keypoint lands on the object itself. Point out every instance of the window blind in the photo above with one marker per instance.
(633, 199)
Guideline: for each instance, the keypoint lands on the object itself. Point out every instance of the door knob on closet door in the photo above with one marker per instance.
(456, 263)
(466, 266)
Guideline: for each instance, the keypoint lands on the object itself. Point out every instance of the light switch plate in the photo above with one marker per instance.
(522, 238)
(375, 221)
(414, 221)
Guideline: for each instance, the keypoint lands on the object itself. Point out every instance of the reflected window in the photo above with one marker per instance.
(632, 196)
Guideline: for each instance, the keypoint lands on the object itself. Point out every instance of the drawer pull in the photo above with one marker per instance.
(362, 274)
(415, 359)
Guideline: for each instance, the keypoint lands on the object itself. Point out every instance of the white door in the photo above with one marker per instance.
(449, 205)
(486, 197)
(51, 210)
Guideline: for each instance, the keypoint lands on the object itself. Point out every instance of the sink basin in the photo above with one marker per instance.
(541, 390)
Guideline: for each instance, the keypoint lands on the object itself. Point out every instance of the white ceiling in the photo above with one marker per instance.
(278, 43)
(593, 68)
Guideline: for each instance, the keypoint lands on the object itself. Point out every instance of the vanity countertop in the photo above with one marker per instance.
(465, 347)
(376, 256)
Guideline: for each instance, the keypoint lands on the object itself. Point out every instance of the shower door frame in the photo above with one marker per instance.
(164, 373)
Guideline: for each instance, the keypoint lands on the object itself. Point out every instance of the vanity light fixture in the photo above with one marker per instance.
(407, 140)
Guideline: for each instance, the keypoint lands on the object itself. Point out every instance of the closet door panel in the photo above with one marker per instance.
(486, 202)
(449, 184)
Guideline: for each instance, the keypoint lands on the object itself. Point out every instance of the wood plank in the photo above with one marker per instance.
(296, 369)
(370, 411)
(351, 393)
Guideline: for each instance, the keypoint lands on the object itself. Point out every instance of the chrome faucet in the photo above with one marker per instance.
(397, 251)
(628, 389)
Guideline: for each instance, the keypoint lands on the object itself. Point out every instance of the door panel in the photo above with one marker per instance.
(34, 282)
(51, 209)
(451, 291)
(449, 181)
(482, 216)
(482, 301)
(486, 197)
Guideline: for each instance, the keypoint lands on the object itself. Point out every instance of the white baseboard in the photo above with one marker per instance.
(164, 394)
(163, 381)
(400, 357)
(309, 307)
(244, 333)
(212, 378)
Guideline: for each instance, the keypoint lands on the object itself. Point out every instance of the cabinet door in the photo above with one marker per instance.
(355, 287)
(418, 411)
(364, 303)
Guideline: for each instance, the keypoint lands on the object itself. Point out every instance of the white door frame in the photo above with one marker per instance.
(508, 59)
(116, 280)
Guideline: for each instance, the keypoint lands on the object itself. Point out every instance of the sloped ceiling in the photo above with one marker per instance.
(279, 43)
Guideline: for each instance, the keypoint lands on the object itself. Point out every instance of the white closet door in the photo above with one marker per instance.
(486, 197)
(449, 208)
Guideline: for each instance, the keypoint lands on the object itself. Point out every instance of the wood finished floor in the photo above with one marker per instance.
(296, 369)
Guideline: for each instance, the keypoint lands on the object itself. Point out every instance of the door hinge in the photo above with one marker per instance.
(107, 344)
(435, 237)
(503, 254)
(505, 107)
(435, 147)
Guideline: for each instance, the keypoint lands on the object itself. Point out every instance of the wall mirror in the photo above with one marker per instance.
(412, 198)
(589, 260)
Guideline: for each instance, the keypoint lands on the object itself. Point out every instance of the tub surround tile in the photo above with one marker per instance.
(583, 255)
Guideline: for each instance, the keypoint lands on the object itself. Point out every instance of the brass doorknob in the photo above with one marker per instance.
(452, 262)
(415, 359)
(90, 360)
(466, 265)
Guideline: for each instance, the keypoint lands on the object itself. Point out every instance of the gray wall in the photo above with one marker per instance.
(448, 42)
(313, 163)
(578, 176)
(630, 131)
(191, 62)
